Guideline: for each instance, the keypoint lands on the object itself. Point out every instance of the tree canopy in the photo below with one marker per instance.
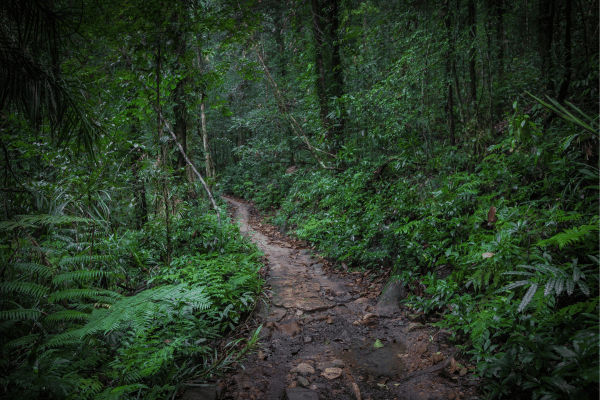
(453, 143)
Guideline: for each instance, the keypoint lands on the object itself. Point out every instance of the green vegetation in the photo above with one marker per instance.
(455, 143)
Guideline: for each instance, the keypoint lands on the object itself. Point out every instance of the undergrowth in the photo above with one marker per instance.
(505, 243)
(89, 313)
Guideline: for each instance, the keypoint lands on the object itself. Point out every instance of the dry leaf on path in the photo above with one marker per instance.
(332, 373)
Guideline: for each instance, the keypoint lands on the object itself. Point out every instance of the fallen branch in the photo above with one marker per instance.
(187, 160)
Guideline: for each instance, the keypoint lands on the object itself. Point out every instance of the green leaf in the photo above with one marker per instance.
(528, 297)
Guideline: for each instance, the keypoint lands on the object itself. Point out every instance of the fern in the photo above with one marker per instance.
(33, 221)
(20, 314)
(79, 276)
(31, 289)
(33, 268)
(569, 236)
(406, 228)
(67, 315)
(84, 259)
(139, 311)
(77, 294)
(23, 341)
(553, 279)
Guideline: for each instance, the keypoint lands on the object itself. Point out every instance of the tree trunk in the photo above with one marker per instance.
(210, 168)
(546, 34)
(336, 65)
(472, 22)
(449, 55)
(564, 87)
(318, 33)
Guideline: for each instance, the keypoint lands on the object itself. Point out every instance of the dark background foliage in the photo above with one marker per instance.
(454, 142)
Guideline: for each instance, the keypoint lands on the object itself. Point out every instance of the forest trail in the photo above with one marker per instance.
(323, 336)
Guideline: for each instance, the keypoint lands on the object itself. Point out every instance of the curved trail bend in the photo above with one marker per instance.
(323, 338)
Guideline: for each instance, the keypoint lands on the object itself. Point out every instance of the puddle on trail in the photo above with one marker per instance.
(386, 361)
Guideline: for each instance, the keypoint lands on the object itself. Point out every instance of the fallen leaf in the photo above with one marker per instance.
(488, 255)
(332, 373)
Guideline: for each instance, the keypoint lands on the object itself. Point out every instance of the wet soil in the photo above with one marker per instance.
(322, 331)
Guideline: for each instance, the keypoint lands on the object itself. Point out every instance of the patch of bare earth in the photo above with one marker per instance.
(324, 338)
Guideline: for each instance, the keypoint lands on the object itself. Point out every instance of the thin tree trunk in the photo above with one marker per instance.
(336, 65)
(164, 153)
(564, 87)
(546, 34)
(449, 55)
(472, 22)
(210, 168)
(318, 33)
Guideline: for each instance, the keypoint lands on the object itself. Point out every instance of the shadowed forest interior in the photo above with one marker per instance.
(453, 144)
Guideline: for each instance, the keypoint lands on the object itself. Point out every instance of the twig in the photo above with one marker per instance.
(187, 160)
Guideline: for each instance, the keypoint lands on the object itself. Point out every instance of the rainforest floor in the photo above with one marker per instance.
(323, 336)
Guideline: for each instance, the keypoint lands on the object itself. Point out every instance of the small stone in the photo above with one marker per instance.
(303, 369)
(277, 315)
(291, 329)
(313, 387)
(332, 373)
(437, 358)
(303, 382)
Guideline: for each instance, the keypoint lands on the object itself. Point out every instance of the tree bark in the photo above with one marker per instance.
(472, 22)
(449, 55)
(545, 37)
(564, 87)
(210, 168)
(318, 33)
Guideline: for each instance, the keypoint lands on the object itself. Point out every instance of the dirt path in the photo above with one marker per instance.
(323, 337)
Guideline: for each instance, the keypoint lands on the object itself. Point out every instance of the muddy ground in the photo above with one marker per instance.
(322, 331)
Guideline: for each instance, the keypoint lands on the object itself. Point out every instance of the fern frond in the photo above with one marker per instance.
(67, 315)
(6, 325)
(84, 259)
(406, 228)
(512, 286)
(33, 268)
(23, 341)
(33, 221)
(141, 310)
(528, 297)
(75, 294)
(64, 339)
(569, 236)
(32, 289)
(79, 276)
(20, 313)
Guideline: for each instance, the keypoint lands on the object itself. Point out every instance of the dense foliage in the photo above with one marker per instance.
(455, 143)
(463, 141)
(117, 278)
